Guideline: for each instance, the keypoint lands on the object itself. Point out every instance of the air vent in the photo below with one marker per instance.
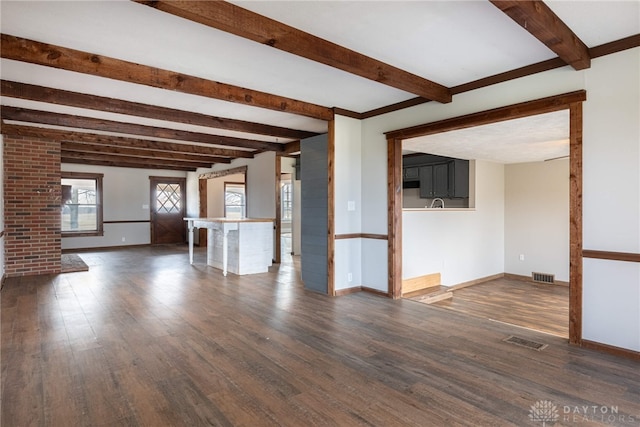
(543, 277)
(522, 342)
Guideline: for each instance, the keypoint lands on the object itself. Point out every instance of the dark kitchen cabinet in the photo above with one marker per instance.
(434, 181)
(459, 178)
(445, 180)
(411, 173)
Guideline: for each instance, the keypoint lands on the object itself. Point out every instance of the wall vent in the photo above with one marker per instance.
(543, 277)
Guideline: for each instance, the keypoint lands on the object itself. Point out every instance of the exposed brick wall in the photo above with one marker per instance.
(32, 206)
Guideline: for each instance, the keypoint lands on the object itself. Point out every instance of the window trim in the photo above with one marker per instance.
(286, 183)
(99, 214)
(244, 184)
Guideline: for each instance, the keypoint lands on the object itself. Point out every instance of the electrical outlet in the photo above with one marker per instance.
(521, 257)
(123, 239)
(350, 277)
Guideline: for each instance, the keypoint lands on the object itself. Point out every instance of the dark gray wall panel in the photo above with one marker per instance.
(314, 175)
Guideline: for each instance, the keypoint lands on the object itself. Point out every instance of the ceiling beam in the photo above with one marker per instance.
(24, 50)
(539, 20)
(528, 70)
(250, 25)
(69, 120)
(292, 147)
(125, 164)
(93, 102)
(129, 159)
(119, 141)
(82, 147)
(509, 112)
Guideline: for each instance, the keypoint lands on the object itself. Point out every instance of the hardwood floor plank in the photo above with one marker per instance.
(145, 339)
(542, 307)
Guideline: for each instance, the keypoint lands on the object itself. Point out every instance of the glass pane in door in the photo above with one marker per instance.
(168, 198)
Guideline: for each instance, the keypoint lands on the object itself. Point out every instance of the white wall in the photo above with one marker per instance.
(215, 194)
(126, 197)
(611, 199)
(261, 184)
(460, 245)
(348, 185)
(537, 218)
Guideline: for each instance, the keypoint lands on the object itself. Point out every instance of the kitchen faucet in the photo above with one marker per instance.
(433, 202)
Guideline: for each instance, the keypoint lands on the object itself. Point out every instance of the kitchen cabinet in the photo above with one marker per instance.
(434, 181)
(411, 173)
(459, 178)
(445, 180)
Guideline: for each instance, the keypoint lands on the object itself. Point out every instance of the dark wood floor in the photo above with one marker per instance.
(541, 307)
(143, 338)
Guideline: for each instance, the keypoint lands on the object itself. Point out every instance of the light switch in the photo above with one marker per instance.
(351, 205)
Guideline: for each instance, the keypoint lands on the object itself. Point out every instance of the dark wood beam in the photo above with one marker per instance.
(615, 46)
(69, 120)
(81, 147)
(24, 50)
(117, 158)
(292, 147)
(118, 141)
(124, 164)
(528, 70)
(100, 103)
(244, 23)
(515, 111)
(539, 20)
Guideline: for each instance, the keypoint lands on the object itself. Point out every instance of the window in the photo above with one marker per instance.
(287, 201)
(168, 198)
(235, 204)
(81, 204)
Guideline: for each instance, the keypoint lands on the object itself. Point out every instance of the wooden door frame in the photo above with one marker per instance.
(569, 101)
(153, 181)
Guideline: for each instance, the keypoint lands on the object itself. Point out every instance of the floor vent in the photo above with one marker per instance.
(543, 277)
(525, 343)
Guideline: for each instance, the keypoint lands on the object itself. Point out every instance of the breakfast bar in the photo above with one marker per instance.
(241, 246)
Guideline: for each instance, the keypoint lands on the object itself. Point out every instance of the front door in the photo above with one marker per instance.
(168, 208)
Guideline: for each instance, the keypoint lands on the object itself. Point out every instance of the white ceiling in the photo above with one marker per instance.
(449, 42)
(530, 139)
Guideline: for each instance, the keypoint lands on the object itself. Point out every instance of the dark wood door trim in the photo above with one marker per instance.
(570, 101)
(575, 223)
(331, 225)
(394, 214)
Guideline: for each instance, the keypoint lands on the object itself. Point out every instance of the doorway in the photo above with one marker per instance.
(286, 214)
(168, 202)
(570, 101)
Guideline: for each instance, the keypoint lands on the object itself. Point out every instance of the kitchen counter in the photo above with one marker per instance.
(242, 246)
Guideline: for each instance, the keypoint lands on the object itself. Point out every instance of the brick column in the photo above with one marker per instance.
(32, 206)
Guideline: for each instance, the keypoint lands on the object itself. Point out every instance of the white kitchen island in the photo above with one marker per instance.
(241, 246)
